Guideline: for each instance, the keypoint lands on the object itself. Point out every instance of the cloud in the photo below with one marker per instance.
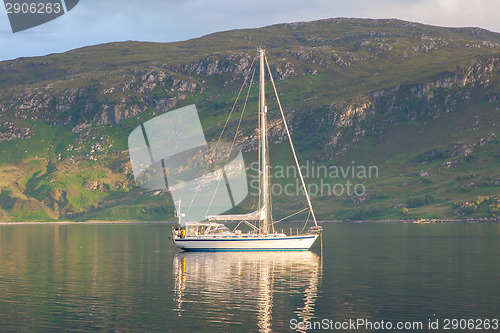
(96, 21)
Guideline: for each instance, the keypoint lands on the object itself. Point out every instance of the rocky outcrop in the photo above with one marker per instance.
(103, 105)
(401, 103)
(160, 87)
(9, 131)
(217, 65)
(319, 56)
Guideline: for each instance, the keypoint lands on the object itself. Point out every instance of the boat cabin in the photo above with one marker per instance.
(205, 228)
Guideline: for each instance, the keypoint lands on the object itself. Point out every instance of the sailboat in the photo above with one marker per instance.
(212, 235)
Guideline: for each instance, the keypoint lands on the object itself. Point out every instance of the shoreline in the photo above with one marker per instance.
(83, 222)
(412, 221)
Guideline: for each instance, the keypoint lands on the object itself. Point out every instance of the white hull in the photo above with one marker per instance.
(269, 243)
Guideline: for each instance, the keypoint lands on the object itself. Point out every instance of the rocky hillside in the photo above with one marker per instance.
(419, 102)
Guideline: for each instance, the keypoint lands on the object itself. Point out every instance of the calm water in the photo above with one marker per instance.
(128, 278)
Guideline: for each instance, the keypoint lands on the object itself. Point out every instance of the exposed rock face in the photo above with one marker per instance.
(432, 98)
(160, 87)
(408, 102)
(102, 103)
(9, 131)
(462, 149)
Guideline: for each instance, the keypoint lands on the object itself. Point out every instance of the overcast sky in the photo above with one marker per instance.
(99, 21)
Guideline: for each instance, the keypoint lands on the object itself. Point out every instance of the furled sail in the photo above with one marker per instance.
(253, 216)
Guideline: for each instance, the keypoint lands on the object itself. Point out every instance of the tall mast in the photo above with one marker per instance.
(264, 228)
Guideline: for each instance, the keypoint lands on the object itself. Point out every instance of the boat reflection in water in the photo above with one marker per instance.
(226, 286)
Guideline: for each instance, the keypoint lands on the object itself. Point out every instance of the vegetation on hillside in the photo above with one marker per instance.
(419, 103)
